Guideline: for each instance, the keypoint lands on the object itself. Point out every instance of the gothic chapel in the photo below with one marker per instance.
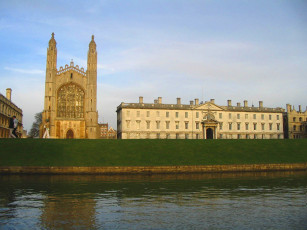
(70, 97)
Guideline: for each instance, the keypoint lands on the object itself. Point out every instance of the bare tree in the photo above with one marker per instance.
(34, 132)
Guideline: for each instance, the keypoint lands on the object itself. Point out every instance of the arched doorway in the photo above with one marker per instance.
(70, 134)
(209, 133)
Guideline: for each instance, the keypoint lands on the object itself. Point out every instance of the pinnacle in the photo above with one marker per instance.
(52, 40)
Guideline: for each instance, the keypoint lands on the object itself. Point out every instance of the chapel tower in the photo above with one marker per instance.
(91, 74)
(51, 72)
(70, 107)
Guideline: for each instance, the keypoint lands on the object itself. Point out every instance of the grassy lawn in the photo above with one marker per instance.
(42, 152)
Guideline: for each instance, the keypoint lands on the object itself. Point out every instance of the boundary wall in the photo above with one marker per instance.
(113, 170)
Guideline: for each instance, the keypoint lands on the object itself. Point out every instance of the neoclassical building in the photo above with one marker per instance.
(70, 96)
(198, 121)
(295, 123)
(7, 110)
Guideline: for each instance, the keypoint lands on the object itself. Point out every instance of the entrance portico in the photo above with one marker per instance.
(210, 129)
(209, 124)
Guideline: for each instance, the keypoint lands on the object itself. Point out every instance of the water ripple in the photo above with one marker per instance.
(230, 201)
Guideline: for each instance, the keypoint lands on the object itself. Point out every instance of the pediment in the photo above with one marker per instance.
(209, 116)
(209, 106)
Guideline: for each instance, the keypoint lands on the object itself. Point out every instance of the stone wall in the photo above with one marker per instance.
(153, 169)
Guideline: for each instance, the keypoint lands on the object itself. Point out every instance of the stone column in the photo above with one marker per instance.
(215, 133)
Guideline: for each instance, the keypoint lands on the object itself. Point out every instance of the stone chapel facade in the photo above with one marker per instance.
(70, 97)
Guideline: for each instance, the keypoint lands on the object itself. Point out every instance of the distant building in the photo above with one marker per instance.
(106, 133)
(70, 97)
(295, 123)
(7, 110)
(103, 130)
(112, 134)
(198, 121)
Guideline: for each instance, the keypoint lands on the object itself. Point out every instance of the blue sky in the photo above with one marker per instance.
(238, 50)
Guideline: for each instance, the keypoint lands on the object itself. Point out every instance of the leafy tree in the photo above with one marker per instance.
(34, 132)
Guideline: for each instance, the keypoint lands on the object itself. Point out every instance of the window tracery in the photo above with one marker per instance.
(70, 102)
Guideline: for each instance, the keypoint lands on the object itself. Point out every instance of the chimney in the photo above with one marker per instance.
(238, 104)
(8, 93)
(300, 108)
(212, 101)
(228, 102)
(141, 100)
(196, 101)
(178, 100)
(191, 102)
(260, 104)
(245, 103)
(159, 100)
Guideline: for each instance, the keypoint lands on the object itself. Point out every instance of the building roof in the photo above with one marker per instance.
(7, 101)
(203, 106)
(112, 130)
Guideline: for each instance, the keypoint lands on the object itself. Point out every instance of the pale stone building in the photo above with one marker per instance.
(295, 123)
(70, 96)
(198, 121)
(7, 110)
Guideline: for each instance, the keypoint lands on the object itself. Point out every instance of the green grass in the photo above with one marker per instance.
(47, 152)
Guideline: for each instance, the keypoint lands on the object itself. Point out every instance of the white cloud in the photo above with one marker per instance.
(241, 62)
(151, 53)
(25, 71)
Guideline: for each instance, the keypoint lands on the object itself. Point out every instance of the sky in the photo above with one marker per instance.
(223, 50)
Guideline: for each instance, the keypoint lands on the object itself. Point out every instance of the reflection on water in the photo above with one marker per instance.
(197, 201)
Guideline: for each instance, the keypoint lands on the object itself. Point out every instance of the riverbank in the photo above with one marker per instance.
(106, 153)
(148, 170)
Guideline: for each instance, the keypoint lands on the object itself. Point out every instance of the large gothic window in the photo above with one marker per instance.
(70, 102)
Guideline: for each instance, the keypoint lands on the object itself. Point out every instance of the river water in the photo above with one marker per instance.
(198, 201)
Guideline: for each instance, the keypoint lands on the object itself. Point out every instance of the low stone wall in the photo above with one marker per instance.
(152, 169)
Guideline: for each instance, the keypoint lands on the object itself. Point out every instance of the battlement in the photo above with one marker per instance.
(71, 67)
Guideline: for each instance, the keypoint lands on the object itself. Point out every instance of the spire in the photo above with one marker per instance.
(92, 56)
(92, 45)
(52, 53)
(52, 41)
